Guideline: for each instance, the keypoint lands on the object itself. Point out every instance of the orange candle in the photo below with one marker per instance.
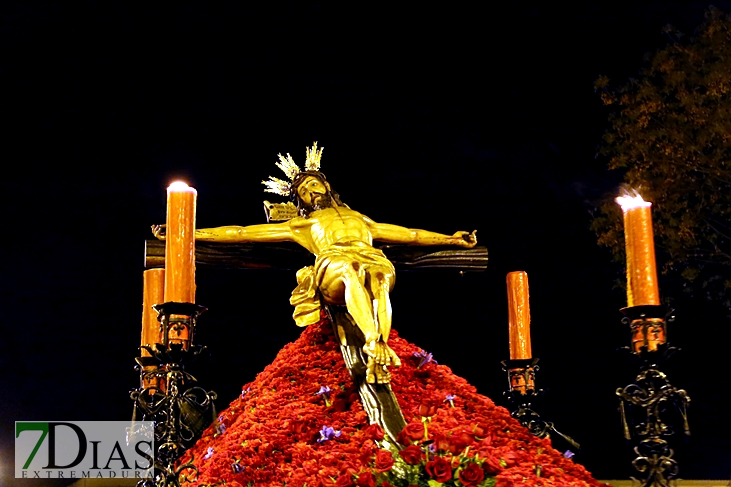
(642, 286)
(153, 282)
(518, 316)
(180, 244)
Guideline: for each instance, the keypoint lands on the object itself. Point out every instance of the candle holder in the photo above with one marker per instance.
(648, 328)
(171, 397)
(177, 324)
(648, 405)
(520, 395)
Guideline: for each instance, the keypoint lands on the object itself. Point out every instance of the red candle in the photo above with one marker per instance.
(642, 286)
(152, 294)
(518, 316)
(180, 244)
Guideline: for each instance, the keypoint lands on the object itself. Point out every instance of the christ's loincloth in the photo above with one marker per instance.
(306, 298)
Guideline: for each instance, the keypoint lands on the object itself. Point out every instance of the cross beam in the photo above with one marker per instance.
(287, 255)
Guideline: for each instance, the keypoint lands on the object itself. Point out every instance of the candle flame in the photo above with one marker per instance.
(631, 199)
(179, 186)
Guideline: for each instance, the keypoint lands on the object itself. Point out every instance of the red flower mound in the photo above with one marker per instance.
(281, 431)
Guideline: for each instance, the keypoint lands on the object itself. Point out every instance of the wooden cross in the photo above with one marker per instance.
(378, 399)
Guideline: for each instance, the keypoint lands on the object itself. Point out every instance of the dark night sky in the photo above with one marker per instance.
(445, 118)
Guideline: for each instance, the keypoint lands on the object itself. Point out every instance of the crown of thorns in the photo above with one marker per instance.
(291, 169)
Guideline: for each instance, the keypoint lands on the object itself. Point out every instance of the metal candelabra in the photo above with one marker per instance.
(648, 405)
(169, 396)
(522, 393)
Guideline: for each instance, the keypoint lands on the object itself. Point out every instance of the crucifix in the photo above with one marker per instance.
(351, 278)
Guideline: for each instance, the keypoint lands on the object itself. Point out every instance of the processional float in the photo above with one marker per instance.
(181, 409)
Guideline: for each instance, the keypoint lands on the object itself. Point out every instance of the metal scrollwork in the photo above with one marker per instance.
(521, 394)
(651, 405)
(171, 397)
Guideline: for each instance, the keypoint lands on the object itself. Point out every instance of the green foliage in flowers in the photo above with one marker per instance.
(669, 133)
(437, 469)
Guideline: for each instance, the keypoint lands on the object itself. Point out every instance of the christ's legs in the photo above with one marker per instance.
(380, 281)
(344, 282)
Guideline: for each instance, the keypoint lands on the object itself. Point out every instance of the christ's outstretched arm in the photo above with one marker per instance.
(385, 232)
(267, 232)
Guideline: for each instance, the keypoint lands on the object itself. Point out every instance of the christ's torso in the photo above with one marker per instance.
(325, 227)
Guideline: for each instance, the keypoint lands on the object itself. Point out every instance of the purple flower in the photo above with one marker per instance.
(245, 391)
(328, 433)
(568, 454)
(220, 427)
(425, 358)
(324, 392)
(450, 398)
(209, 454)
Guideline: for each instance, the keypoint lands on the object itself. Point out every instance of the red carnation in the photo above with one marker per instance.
(383, 461)
(374, 432)
(297, 425)
(461, 440)
(439, 469)
(471, 475)
(427, 409)
(325, 481)
(412, 432)
(429, 404)
(310, 467)
(510, 458)
(442, 444)
(366, 479)
(491, 465)
(347, 468)
(367, 451)
(345, 480)
(412, 454)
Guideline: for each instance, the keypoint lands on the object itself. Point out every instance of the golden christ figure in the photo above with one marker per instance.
(348, 270)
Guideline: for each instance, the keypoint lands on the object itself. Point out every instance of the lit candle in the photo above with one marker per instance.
(641, 272)
(180, 244)
(180, 255)
(518, 316)
(152, 294)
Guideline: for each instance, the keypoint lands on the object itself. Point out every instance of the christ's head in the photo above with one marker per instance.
(311, 192)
